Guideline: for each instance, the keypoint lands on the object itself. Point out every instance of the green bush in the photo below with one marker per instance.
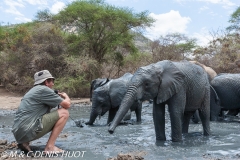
(73, 86)
(133, 62)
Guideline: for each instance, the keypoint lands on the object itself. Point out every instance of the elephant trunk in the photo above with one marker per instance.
(96, 110)
(126, 103)
(93, 116)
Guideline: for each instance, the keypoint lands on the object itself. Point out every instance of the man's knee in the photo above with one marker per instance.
(63, 113)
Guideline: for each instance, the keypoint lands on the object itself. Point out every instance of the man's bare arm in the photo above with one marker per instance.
(66, 102)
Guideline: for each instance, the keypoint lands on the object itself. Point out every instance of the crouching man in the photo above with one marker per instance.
(33, 118)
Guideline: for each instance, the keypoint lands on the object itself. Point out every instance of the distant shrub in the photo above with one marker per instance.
(133, 62)
(28, 49)
(74, 86)
(222, 53)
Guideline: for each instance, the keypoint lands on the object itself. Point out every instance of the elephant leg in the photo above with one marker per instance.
(186, 119)
(205, 114)
(195, 117)
(215, 112)
(205, 122)
(176, 106)
(159, 120)
(222, 113)
(138, 112)
(232, 112)
(111, 115)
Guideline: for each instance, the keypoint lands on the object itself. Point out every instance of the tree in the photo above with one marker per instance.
(235, 21)
(29, 48)
(44, 15)
(2, 38)
(172, 47)
(222, 52)
(98, 29)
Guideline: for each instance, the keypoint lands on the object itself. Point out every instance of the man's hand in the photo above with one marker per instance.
(63, 94)
(66, 102)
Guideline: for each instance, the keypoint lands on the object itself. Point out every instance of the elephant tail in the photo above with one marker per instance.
(213, 92)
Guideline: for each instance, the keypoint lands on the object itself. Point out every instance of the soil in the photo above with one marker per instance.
(9, 100)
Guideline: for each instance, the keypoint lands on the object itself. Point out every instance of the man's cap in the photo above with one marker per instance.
(41, 76)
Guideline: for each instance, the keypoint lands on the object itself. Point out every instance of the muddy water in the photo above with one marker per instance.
(138, 138)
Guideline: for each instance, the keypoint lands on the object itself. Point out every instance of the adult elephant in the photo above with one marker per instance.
(211, 74)
(183, 86)
(227, 87)
(108, 98)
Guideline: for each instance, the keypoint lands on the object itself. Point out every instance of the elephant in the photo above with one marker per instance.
(214, 100)
(183, 86)
(227, 87)
(97, 83)
(102, 81)
(108, 97)
(211, 74)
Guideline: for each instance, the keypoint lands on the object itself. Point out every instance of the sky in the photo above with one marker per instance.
(195, 18)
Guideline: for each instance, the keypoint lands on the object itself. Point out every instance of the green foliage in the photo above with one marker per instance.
(113, 65)
(2, 36)
(221, 54)
(173, 46)
(73, 46)
(133, 62)
(91, 39)
(13, 60)
(13, 37)
(28, 49)
(87, 40)
(74, 86)
(100, 29)
(83, 66)
(235, 21)
(44, 15)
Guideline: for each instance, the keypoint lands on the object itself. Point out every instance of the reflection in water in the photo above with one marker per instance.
(99, 144)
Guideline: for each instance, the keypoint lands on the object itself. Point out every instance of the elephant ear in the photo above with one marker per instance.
(116, 92)
(172, 80)
(100, 96)
(106, 80)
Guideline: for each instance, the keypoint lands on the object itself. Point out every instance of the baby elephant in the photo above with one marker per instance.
(97, 83)
(108, 97)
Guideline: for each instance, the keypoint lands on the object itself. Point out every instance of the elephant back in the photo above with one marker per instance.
(227, 87)
(126, 77)
(194, 74)
(196, 82)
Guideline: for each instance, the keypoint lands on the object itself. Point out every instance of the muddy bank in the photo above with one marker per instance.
(135, 141)
(10, 100)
